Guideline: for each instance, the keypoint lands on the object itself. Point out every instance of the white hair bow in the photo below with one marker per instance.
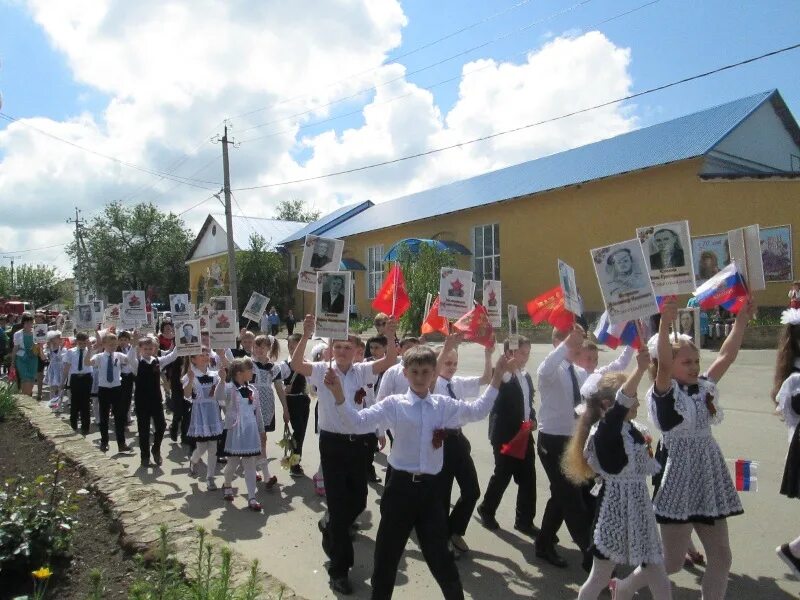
(652, 343)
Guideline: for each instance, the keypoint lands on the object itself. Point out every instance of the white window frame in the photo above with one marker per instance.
(374, 278)
(479, 255)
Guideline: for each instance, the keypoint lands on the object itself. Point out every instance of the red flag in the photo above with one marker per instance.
(433, 322)
(393, 298)
(476, 327)
(550, 307)
(518, 445)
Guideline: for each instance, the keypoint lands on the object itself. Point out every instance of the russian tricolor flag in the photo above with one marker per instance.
(745, 475)
(726, 289)
(621, 334)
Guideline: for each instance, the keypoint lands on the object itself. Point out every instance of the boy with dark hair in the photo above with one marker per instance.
(78, 372)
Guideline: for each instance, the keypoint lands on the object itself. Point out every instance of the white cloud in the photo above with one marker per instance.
(173, 71)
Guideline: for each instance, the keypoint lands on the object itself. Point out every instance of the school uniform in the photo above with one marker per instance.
(109, 396)
(559, 387)
(342, 448)
(149, 402)
(55, 369)
(80, 385)
(127, 377)
(243, 424)
(412, 495)
(513, 407)
(789, 405)
(181, 408)
(264, 376)
(457, 462)
(299, 403)
(205, 427)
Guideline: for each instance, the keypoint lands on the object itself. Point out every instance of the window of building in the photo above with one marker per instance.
(292, 263)
(374, 270)
(486, 253)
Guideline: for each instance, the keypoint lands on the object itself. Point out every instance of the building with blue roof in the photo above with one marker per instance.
(724, 167)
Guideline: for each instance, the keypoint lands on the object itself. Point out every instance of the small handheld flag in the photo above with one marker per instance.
(476, 327)
(392, 298)
(518, 445)
(726, 289)
(433, 322)
(550, 307)
(745, 475)
(621, 334)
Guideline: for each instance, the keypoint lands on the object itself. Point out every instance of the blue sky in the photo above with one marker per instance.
(670, 39)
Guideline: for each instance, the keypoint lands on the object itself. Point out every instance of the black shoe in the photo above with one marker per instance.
(124, 448)
(103, 447)
(550, 555)
(326, 541)
(785, 554)
(296, 471)
(146, 464)
(223, 460)
(487, 520)
(157, 459)
(173, 434)
(529, 529)
(588, 561)
(341, 585)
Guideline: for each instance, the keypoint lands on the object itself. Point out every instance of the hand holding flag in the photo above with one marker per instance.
(726, 289)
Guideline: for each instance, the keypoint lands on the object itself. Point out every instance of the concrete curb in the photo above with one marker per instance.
(138, 509)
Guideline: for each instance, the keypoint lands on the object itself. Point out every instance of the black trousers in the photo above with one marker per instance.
(110, 399)
(342, 459)
(408, 504)
(566, 503)
(80, 401)
(458, 466)
(181, 417)
(524, 474)
(150, 410)
(274, 329)
(299, 411)
(127, 380)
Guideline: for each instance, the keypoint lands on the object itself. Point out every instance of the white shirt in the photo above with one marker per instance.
(71, 359)
(393, 382)
(127, 368)
(464, 388)
(557, 414)
(522, 379)
(101, 362)
(264, 323)
(621, 363)
(357, 376)
(413, 421)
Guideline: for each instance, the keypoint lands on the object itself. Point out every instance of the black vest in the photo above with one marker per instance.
(508, 411)
(148, 382)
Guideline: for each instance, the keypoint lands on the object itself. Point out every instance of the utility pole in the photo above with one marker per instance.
(80, 256)
(11, 258)
(233, 280)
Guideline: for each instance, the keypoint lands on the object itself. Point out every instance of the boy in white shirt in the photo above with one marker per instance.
(109, 394)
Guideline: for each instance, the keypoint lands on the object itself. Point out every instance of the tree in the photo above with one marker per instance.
(421, 272)
(39, 284)
(260, 270)
(295, 210)
(134, 249)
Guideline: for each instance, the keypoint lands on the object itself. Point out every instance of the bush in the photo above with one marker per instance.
(8, 403)
(421, 272)
(36, 522)
(359, 325)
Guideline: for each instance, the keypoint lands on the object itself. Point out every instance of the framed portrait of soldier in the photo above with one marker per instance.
(255, 307)
(332, 305)
(180, 307)
(85, 317)
(623, 274)
(221, 303)
(668, 250)
(187, 336)
(319, 254)
(689, 324)
(98, 310)
(40, 333)
(223, 328)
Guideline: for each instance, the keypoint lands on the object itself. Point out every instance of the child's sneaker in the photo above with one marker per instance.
(227, 493)
(254, 504)
(211, 486)
(785, 554)
(271, 482)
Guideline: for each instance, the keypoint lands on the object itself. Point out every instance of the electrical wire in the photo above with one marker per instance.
(32, 249)
(529, 125)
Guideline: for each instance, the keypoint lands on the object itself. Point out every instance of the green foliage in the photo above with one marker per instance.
(421, 272)
(261, 270)
(36, 521)
(39, 284)
(210, 579)
(8, 403)
(359, 325)
(295, 210)
(96, 582)
(132, 249)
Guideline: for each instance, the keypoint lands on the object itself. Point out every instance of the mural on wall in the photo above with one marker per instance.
(212, 281)
(776, 252)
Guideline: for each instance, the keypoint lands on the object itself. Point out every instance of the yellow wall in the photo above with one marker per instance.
(200, 269)
(537, 230)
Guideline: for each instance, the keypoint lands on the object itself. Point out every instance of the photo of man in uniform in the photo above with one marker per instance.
(666, 250)
(188, 336)
(322, 254)
(623, 273)
(180, 305)
(85, 313)
(332, 294)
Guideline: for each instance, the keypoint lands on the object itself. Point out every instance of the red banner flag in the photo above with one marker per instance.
(476, 327)
(433, 322)
(393, 298)
(518, 445)
(550, 307)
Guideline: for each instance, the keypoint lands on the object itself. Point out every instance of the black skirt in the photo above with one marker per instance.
(790, 486)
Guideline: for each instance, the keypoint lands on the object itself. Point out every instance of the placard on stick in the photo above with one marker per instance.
(319, 254)
(255, 307)
(513, 327)
(223, 328)
(744, 245)
(566, 277)
(668, 249)
(187, 337)
(180, 307)
(332, 305)
(455, 292)
(133, 306)
(492, 300)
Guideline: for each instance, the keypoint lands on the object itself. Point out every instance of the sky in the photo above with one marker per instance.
(143, 87)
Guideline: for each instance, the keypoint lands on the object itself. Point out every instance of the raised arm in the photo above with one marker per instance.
(460, 412)
(169, 358)
(451, 343)
(549, 366)
(486, 377)
(280, 390)
(669, 313)
(379, 416)
(299, 364)
(730, 347)
(219, 390)
(188, 387)
(379, 366)
(620, 363)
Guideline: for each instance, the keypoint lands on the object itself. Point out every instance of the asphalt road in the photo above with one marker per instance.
(501, 564)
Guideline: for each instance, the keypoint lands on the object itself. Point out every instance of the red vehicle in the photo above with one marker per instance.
(14, 306)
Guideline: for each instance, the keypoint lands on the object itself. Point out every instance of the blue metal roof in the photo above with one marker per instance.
(322, 225)
(686, 137)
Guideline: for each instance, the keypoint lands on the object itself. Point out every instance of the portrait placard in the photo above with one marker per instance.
(776, 253)
(179, 306)
(745, 248)
(513, 327)
(493, 301)
(689, 324)
(319, 254)
(566, 277)
(455, 298)
(624, 281)
(668, 248)
(223, 328)
(85, 317)
(68, 328)
(217, 303)
(187, 337)
(98, 310)
(133, 306)
(40, 333)
(255, 307)
(711, 255)
(332, 305)
(146, 327)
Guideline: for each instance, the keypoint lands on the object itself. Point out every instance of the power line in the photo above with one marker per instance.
(434, 85)
(34, 249)
(425, 68)
(395, 59)
(164, 175)
(529, 125)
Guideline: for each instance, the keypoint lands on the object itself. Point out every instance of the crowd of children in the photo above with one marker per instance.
(596, 456)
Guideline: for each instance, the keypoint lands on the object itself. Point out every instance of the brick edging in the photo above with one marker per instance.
(128, 500)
